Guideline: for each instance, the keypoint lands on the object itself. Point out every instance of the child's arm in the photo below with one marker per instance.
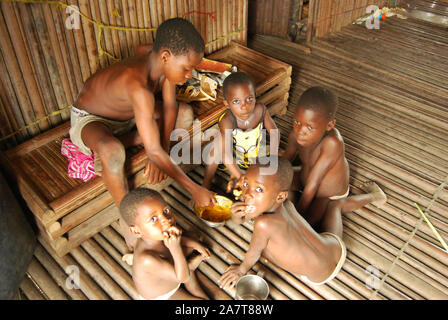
(196, 245)
(331, 150)
(291, 149)
(170, 111)
(258, 243)
(163, 269)
(226, 128)
(270, 126)
(143, 102)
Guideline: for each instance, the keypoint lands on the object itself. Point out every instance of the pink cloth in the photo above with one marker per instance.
(80, 166)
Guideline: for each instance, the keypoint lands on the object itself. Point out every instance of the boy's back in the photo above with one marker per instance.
(300, 250)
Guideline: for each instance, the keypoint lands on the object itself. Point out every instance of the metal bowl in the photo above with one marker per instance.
(223, 205)
(251, 287)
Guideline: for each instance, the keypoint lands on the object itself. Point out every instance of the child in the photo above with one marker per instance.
(245, 120)
(320, 148)
(126, 93)
(159, 263)
(283, 236)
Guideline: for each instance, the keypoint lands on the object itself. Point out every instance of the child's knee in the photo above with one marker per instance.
(185, 116)
(112, 155)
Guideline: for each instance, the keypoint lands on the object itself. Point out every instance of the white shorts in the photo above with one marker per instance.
(165, 296)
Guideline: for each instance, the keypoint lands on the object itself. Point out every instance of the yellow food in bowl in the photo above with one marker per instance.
(218, 213)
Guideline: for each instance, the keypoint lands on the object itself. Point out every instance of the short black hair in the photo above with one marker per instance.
(320, 99)
(284, 173)
(179, 36)
(235, 79)
(130, 202)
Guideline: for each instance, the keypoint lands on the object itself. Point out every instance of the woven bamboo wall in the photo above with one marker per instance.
(44, 63)
(269, 17)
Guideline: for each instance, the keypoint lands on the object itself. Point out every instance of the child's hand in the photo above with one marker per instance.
(172, 237)
(240, 211)
(204, 198)
(231, 276)
(205, 253)
(233, 181)
(236, 186)
(153, 173)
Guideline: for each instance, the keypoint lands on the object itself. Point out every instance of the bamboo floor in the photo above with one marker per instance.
(392, 85)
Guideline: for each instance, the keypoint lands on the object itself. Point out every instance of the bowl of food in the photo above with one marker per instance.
(217, 215)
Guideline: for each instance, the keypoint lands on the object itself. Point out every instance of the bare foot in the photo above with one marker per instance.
(128, 258)
(379, 197)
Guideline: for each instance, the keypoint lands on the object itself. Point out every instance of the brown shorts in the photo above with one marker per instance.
(80, 118)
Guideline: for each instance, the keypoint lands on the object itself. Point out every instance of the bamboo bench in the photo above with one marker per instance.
(68, 211)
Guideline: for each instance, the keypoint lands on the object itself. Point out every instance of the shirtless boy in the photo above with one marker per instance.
(282, 235)
(320, 148)
(115, 98)
(159, 264)
(245, 119)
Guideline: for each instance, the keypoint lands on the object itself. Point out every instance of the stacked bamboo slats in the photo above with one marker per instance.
(328, 16)
(44, 63)
(68, 211)
(393, 116)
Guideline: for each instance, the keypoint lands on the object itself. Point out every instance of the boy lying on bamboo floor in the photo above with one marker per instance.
(160, 265)
(246, 120)
(129, 93)
(324, 176)
(282, 235)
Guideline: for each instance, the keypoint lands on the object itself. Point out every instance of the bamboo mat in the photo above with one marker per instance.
(393, 116)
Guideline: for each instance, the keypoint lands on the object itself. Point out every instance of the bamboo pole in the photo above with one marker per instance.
(134, 24)
(59, 276)
(100, 276)
(37, 61)
(413, 282)
(140, 21)
(9, 50)
(412, 253)
(58, 76)
(30, 290)
(146, 23)
(407, 263)
(114, 270)
(394, 285)
(63, 47)
(154, 18)
(44, 281)
(114, 14)
(9, 99)
(106, 32)
(104, 242)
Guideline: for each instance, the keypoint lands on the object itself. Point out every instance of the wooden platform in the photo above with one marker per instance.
(69, 211)
(393, 115)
